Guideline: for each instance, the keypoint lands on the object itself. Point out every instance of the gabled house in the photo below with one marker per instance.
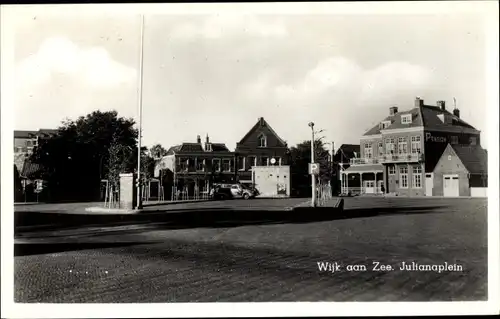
(462, 170)
(192, 168)
(261, 146)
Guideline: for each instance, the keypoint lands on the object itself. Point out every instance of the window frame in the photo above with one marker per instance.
(416, 140)
(261, 137)
(406, 119)
(224, 161)
(218, 160)
(416, 175)
(403, 176)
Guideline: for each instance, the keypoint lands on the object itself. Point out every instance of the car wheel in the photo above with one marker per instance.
(246, 196)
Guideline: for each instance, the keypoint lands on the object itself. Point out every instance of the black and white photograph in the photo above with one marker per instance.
(250, 159)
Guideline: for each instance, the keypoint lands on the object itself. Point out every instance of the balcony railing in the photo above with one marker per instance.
(401, 158)
(363, 161)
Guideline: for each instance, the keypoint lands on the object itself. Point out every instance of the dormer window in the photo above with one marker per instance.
(406, 119)
(262, 140)
(208, 147)
(385, 124)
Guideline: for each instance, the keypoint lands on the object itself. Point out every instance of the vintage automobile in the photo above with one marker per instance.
(229, 191)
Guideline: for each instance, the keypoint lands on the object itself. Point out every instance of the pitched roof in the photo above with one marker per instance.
(346, 152)
(426, 116)
(396, 121)
(474, 158)
(451, 122)
(257, 125)
(219, 147)
(196, 148)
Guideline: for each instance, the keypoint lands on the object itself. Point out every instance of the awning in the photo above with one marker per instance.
(374, 168)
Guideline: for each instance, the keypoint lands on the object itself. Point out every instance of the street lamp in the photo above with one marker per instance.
(313, 177)
(141, 63)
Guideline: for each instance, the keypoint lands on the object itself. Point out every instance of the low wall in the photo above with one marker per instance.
(479, 191)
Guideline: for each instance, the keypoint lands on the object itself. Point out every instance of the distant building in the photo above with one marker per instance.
(341, 162)
(27, 171)
(400, 153)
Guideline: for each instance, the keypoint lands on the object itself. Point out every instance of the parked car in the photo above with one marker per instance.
(228, 191)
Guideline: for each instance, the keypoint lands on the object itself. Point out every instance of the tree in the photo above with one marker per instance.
(157, 151)
(300, 157)
(80, 155)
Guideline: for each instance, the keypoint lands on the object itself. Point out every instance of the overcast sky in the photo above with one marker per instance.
(217, 74)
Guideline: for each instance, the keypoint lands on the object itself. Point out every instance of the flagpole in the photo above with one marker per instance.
(139, 144)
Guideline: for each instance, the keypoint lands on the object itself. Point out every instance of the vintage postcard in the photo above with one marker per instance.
(237, 159)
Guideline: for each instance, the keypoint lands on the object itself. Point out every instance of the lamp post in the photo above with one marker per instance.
(139, 146)
(313, 177)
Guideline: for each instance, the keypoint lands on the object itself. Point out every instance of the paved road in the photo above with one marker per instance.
(273, 260)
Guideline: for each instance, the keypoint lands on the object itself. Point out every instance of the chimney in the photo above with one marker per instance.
(456, 112)
(419, 102)
(207, 140)
(441, 105)
(393, 110)
(198, 139)
(261, 121)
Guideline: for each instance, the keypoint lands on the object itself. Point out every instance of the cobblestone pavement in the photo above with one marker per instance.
(270, 262)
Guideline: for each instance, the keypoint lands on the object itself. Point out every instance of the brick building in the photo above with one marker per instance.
(462, 170)
(261, 146)
(191, 168)
(400, 153)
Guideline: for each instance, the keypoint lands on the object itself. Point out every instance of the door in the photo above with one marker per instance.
(369, 187)
(450, 186)
(429, 184)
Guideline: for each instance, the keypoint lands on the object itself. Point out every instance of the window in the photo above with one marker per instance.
(216, 165)
(184, 164)
(200, 165)
(262, 140)
(417, 177)
(386, 124)
(226, 165)
(252, 161)
(416, 146)
(208, 147)
(402, 145)
(454, 140)
(403, 176)
(389, 146)
(392, 170)
(368, 150)
(241, 163)
(472, 140)
(406, 119)
(380, 148)
(264, 161)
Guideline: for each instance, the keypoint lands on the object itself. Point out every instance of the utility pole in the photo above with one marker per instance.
(313, 177)
(139, 144)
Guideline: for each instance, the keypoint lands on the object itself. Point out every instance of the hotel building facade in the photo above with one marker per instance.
(399, 154)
